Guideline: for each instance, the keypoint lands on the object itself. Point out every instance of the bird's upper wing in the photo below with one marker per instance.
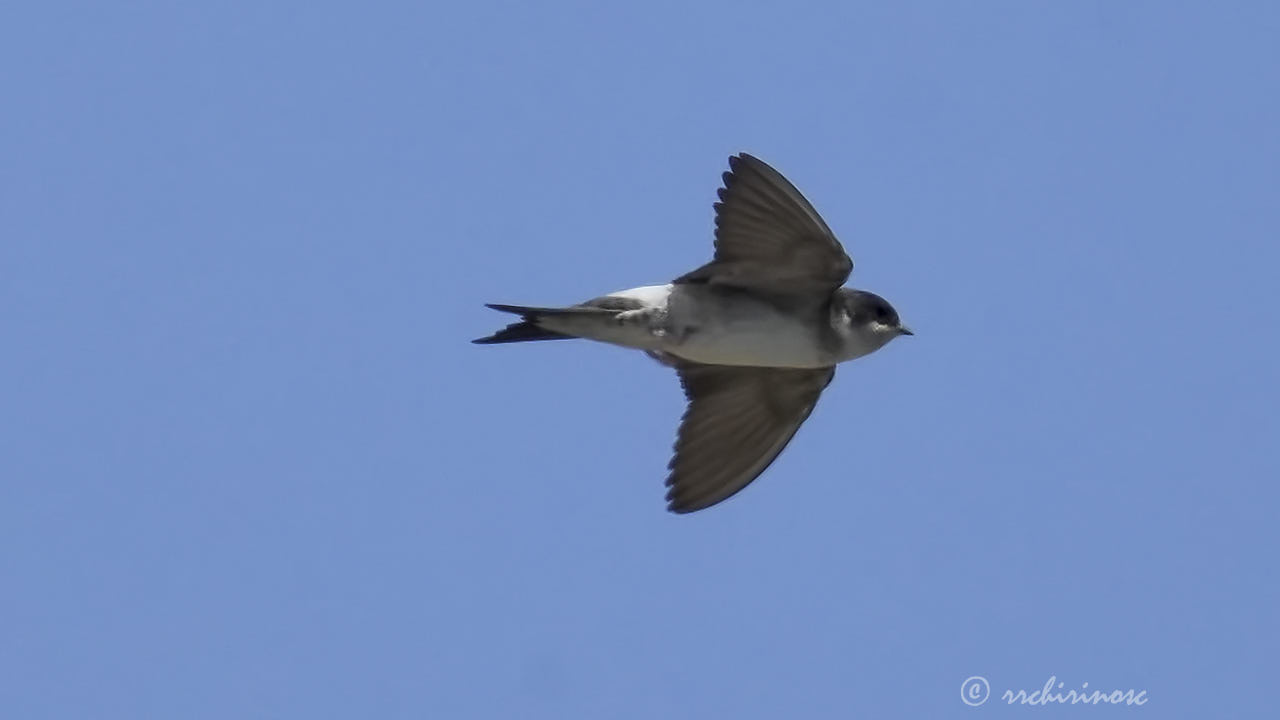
(738, 420)
(769, 238)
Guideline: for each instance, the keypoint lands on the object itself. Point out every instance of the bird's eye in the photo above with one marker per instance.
(884, 315)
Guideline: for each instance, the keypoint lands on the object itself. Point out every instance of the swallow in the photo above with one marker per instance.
(754, 335)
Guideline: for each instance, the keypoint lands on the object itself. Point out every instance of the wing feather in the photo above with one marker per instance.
(739, 419)
(769, 238)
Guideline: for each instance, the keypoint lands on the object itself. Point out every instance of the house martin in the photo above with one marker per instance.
(754, 335)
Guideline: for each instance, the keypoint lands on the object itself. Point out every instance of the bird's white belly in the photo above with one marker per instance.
(753, 346)
(737, 330)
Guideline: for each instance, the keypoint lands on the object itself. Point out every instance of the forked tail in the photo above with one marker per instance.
(527, 329)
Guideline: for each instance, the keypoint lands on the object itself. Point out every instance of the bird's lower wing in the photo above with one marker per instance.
(738, 420)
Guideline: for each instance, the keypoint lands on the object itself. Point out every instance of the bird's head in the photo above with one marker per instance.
(866, 319)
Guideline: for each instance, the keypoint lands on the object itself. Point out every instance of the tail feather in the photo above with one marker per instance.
(521, 332)
(528, 329)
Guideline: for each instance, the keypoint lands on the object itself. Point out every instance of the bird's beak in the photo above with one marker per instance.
(904, 330)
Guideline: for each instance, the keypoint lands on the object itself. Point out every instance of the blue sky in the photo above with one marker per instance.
(253, 468)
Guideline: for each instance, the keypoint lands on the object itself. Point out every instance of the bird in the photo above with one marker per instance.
(754, 335)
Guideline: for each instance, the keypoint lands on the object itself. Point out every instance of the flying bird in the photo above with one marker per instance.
(754, 335)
